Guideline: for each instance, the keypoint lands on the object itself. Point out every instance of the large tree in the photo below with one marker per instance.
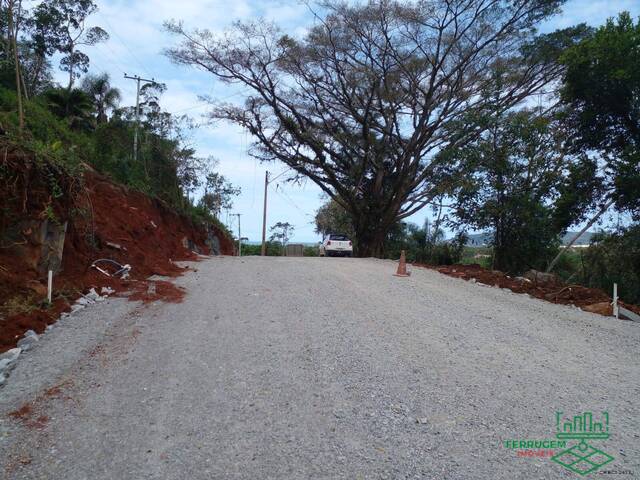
(364, 103)
(602, 90)
(62, 24)
(519, 183)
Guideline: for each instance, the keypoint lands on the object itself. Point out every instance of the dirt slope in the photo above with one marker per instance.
(103, 220)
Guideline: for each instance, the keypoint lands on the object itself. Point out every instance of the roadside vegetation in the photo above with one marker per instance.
(83, 121)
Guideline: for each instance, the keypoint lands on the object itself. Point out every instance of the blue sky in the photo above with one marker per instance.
(135, 47)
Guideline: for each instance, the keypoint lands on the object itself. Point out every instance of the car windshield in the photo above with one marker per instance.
(338, 237)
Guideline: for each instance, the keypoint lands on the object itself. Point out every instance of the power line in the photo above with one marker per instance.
(135, 133)
(133, 55)
(289, 200)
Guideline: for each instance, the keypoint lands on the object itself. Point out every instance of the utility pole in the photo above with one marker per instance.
(263, 251)
(267, 181)
(239, 236)
(135, 134)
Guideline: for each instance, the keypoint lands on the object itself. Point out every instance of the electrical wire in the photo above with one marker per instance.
(133, 55)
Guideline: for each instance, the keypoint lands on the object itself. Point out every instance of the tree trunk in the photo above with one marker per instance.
(370, 235)
(12, 31)
(575, 238)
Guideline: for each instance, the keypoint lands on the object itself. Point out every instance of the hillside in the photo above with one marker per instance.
(53, 220)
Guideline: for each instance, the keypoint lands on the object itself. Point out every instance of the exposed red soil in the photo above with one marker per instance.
(105, 220)
(157, 290)
(589, 299)
(23, 412)
(30, 413)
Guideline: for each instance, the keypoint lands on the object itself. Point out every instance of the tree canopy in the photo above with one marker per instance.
(602, 91)
(366, 101)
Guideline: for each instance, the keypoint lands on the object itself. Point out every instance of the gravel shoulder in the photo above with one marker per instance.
(317, 368)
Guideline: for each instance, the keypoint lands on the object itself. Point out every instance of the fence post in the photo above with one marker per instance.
(49, 286)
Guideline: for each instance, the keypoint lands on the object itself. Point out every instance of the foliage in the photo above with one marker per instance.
(362, 104)
(60, 26)
(74, 106)
(614, 258)
(310, 251)
(281, 232)
(519, 183)
(274, 249)
(331, 217)
(218, 194)
(602, 91)
(424, 245)
(104, 97)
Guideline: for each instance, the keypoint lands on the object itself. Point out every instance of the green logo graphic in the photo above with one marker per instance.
(582, 458)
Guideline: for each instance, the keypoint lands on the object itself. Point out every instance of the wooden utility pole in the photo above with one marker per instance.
(135, 134)
(267, 181)
(263, 250)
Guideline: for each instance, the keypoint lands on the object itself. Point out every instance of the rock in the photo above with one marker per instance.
(84, 301)
(8, 360)
(106, 290)
(76, 308)
(26, 342)
(100, 299)
(12, 354)
(3, 379)
(6, 365)
(602, 308)
(472, 280)
(92, 295)
(31, 333)
(540, 277)
(49, 328)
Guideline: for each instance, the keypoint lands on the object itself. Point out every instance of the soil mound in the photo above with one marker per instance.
(546, 288)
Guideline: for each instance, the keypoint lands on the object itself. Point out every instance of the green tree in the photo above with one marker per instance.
(218, 193)
(614, 258)
(362, 104)
(281, 232)
(519, 183)
(105, 98)
(602, 91)
(64, 26)
(72, 105)
(331, 217)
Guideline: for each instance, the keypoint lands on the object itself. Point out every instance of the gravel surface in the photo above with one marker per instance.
(295, 368)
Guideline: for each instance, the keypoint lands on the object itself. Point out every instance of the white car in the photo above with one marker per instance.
(336, 245)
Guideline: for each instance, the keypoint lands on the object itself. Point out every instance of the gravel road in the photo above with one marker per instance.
(296, 368)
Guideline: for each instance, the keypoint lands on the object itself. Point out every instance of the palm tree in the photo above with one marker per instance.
(102, 95)
(73, 105)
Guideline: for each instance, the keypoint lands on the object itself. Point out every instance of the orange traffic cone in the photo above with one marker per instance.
(402, 267)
